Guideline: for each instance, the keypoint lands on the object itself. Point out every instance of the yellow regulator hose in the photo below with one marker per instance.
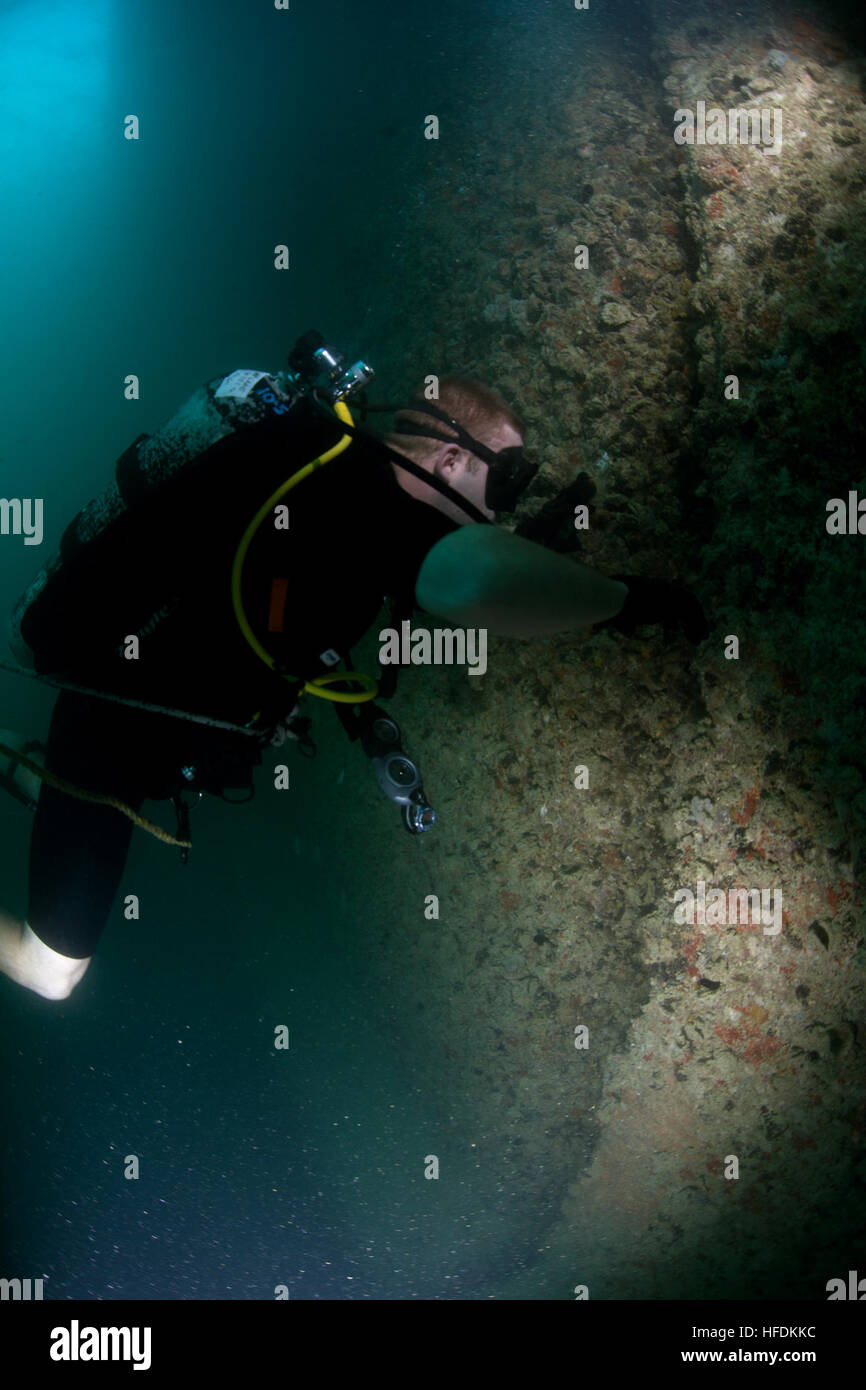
(318, 685)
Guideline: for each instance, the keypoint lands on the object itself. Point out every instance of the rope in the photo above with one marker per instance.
(124, 700)
(63, 786)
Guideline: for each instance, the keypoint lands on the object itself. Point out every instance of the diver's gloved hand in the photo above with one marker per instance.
(553, 525)
(658, 601)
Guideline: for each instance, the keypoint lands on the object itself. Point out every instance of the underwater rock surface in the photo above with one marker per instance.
(557, 905)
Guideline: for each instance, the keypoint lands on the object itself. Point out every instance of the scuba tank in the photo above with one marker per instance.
(68, 615)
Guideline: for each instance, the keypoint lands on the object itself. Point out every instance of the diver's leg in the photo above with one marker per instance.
(78, 851)
(29, 962)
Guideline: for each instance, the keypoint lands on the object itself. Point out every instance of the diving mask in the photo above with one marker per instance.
(509, 470)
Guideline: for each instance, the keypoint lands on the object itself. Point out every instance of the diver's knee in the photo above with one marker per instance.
(53, 989)
(46, 971)
(54, 984)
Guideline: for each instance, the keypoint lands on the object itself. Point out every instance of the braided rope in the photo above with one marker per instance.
(63, 786)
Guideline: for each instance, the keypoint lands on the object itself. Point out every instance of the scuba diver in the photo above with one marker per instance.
(195, 604)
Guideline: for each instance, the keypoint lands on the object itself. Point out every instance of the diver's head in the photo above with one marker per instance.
(467, 432)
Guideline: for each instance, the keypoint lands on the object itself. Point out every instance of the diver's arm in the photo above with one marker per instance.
(480, 576)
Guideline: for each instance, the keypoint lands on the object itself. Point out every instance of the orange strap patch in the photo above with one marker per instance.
(277, 610)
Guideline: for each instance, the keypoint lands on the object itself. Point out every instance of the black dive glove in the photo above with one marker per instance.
(553, 525)
(658, 601)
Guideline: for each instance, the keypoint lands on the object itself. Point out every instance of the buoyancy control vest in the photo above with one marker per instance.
(178, 494)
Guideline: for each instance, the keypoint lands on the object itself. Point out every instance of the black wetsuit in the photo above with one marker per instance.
(354, 536)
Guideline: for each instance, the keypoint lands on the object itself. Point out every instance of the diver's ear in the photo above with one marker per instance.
(448, 460)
